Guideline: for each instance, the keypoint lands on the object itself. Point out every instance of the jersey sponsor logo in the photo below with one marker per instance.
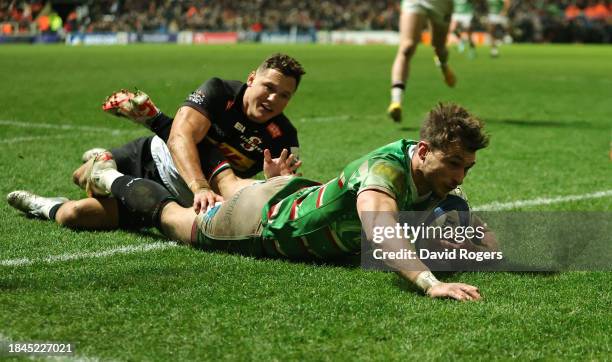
(196, 97)
(274, 130)
(250, 143)
(240, 127)
(395, 176)
(238, 161)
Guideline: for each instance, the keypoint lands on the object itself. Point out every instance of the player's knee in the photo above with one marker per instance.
(407, 47)
(69, 215)
(143, 199)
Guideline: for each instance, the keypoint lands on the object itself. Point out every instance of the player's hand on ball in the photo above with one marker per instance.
(458, 291)
(465, 244)
(284, 165)
(203, 198)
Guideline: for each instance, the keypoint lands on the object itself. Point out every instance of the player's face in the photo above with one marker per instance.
(444, 170)
(268, 93)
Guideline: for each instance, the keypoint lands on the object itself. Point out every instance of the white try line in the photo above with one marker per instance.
(132, 249)
(64, 127)
(499, 206)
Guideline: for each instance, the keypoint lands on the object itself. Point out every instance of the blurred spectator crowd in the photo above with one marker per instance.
(562, 21)
(531, 20)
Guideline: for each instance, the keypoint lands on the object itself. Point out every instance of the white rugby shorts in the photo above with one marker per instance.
(437, 11)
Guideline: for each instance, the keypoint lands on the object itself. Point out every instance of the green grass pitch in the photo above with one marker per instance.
(548, 109)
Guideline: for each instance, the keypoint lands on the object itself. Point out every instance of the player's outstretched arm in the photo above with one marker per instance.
(376, 208)
(188, 129)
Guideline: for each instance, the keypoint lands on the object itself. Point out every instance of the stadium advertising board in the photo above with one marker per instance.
(17, 39)
(287, 37)
(359, 37)
(215, 38)
(153, 38)
(97, 38)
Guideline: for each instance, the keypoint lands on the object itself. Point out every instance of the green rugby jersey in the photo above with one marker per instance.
(463, 7)
(495, 6)
(307, 219)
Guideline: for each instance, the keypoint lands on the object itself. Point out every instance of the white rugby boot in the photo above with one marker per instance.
(32, 204)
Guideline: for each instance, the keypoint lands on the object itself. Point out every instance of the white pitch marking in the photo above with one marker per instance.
(498, 206)
(33, 138)
(67, 127)
(99, 254)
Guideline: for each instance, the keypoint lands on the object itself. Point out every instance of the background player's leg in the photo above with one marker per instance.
(492, 28)
(438, 41)
(472, 50)
(411, 24)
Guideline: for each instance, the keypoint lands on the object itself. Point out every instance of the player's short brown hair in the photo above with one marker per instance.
(447, 123)
(284, 64)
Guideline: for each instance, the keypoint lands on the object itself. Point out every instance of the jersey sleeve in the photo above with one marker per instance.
(384, 175)
(209, 99)
(211, 160)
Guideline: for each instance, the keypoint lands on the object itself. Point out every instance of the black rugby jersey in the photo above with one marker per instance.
(234, 140)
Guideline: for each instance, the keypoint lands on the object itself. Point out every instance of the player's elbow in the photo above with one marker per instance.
(373, 200)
